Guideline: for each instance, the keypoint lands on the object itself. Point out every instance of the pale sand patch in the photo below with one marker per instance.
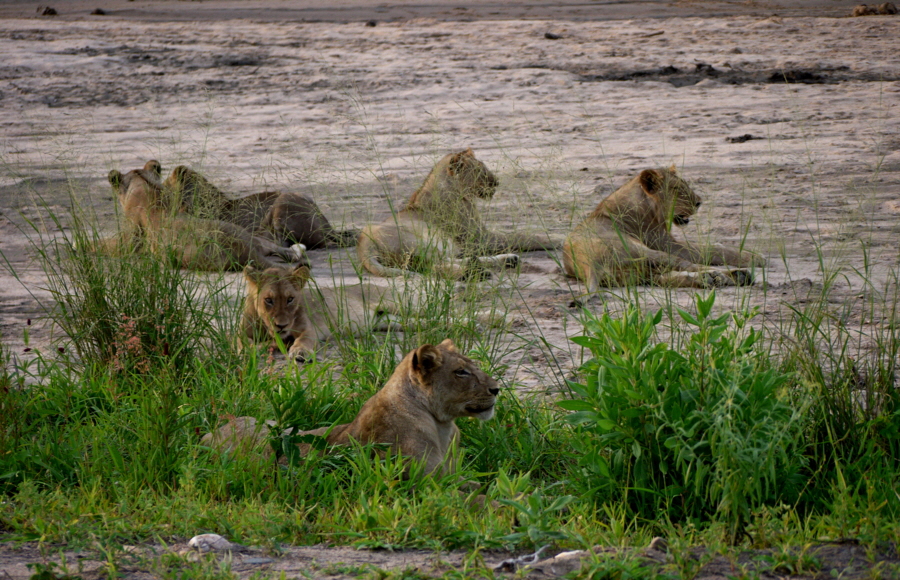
(356, 116)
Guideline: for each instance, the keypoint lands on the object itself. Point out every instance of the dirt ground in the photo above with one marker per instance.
(844, 559)
(786, 124)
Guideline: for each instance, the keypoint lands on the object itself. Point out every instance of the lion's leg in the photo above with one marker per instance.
(303, 348)
(241, 435)
(672, 270)
(703, 279)
(127, 240)
(294, 218)
(245, 247)
(368, 249)
(499, 262)
(218, 245)
(494, 243)
(714, 255)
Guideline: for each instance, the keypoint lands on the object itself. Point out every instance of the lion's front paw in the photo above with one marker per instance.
(715, 279)
(509, 260)
(299, 353)
(742, 277)
(299, 251)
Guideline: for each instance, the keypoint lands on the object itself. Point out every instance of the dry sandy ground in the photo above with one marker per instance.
(843, 559)
(356, 115)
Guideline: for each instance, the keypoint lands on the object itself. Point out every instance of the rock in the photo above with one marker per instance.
(98, 12)
(552, 36)
(214, 543)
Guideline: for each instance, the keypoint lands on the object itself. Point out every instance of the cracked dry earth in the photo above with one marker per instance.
(788, 128)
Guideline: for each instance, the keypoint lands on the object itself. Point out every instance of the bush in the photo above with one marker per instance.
(701, 433)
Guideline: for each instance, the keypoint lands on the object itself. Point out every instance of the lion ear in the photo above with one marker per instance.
(426, 359)
(115, 178)
(448, 345)
(252, 274)
(458, 160)
(651, 181)
(153, 166)
(673, 170)
(301, 274)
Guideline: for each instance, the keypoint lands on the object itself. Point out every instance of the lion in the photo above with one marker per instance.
(441, 230)
(286, 218)
(280, 302)
(628, 239)
(414, 413)
(200, 244)
(865, 10)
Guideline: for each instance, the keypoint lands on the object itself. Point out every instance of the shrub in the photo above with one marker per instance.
(701, 433)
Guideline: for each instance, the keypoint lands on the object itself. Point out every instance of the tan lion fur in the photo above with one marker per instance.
(628, 240)
(280, 301)
(886, 8)
(286, 218)
(440, 228)
(414, 412)
(200, 244)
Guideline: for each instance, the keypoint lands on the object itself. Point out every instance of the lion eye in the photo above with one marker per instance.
(269, 302)
(462, 373)
(290, 299)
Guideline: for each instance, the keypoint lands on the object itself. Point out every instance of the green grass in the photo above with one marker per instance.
(725, 433)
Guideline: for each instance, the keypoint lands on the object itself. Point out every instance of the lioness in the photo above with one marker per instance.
(414, 412)
(287, 218)
(627, 239)
(200, 244)
(280, 303)
(441, 224)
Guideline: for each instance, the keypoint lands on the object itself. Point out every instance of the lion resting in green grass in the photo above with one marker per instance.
(628, 240)
(280, 302)
(440, 228)
(414, 413)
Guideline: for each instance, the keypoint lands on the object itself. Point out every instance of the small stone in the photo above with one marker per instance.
(552, 36)
(213, 543)
(372, 23)
(98, 12)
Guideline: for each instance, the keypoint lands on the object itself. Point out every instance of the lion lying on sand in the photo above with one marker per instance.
(414, 412)
(627, 240)
(286, 218)
(441, 229)
(281, 303)
(200, 244)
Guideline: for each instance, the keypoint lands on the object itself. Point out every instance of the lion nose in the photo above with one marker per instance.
(494, 391)
(280, 327)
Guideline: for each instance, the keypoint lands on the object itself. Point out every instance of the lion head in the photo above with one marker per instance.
(274, 296)
(453, 384)
(192, 192)
(138, 190)
(459, 174)
(676, 200)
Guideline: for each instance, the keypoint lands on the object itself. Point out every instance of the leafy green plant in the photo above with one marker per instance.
(701, 433)
(536, 513)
